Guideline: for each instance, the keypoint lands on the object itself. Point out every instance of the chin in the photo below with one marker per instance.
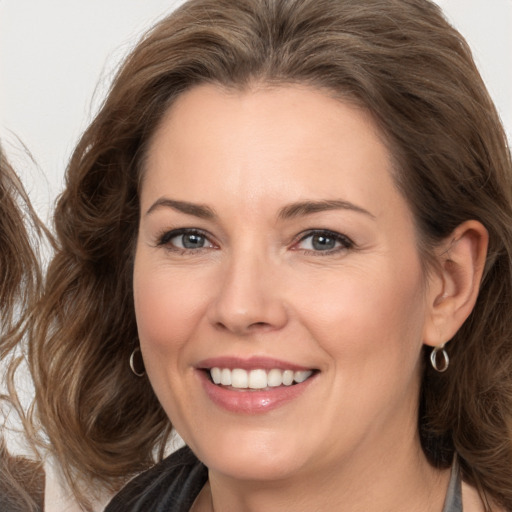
(254, 456)
(255, 467)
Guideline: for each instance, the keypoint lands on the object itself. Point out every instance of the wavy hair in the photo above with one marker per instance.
(405, 64)
(21, 480)
(20, 276)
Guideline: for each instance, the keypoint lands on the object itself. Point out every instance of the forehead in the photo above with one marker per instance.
(271, 142)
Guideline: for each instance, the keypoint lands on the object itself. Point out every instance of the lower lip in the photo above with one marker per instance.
(252, 401)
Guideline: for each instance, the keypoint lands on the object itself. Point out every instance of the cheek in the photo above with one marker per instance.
(370, 327)
(369, 316)
(167, 308)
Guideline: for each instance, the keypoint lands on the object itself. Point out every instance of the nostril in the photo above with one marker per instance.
(221, 326)
(241, 328)
(258, 326)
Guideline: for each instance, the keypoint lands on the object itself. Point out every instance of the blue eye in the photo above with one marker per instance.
(324, 241)
(189, 241)
(185, 239)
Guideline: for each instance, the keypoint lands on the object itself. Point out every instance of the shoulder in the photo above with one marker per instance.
(472, 502)
(172, 484)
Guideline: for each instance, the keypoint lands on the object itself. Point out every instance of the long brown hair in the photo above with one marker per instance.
(21, 480)
(20, 230)
(404, 63)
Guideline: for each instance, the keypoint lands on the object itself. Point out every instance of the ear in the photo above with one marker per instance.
(453, 287)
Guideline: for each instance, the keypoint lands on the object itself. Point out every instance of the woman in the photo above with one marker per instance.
(287, 233)
(21, 480)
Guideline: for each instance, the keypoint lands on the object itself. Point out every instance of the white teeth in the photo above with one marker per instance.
(301, 376)
(274, 378)
(257, 379)
(216, 375)
(287, 377)
(239, 378)
(225, 377)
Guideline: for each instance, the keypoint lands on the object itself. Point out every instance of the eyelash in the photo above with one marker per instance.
(165, 238)
(344, 242)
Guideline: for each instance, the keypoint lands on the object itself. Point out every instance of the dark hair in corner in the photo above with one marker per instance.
(21, 483)
(399, 59)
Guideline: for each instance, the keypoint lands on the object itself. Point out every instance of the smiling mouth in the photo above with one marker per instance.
(257, 379)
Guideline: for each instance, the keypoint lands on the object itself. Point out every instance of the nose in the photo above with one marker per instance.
(250, 296)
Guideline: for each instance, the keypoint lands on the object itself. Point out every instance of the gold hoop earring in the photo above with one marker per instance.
(445, 360)
(132, 363)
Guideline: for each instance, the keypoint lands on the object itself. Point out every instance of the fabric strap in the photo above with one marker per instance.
(453, 500)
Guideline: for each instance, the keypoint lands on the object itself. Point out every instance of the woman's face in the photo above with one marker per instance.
(276, 254)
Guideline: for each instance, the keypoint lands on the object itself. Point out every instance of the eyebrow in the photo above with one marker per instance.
(197, 210)
(290, 211)
(309, 207)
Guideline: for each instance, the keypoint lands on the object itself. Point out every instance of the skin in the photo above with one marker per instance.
(358, 313)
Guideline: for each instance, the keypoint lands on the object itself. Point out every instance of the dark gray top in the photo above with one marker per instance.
(453, 500)
(170, 486)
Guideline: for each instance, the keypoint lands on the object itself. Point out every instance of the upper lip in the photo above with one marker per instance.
(252, 363)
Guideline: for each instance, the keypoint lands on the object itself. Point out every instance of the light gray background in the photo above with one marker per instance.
(57, 58)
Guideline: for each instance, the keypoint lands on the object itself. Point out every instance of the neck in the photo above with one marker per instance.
(401, 481)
